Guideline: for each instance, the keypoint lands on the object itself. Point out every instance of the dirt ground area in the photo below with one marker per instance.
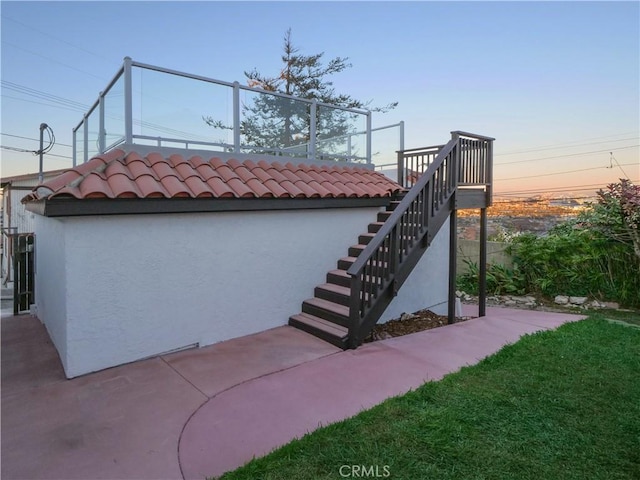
(409, 323)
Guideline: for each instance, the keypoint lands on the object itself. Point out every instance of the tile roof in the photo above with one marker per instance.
(117, 174)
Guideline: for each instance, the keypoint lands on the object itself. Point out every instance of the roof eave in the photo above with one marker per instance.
(72, 207)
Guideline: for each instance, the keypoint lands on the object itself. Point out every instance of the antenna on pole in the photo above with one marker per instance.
(43, 126)
(43, 150)
(614, 159)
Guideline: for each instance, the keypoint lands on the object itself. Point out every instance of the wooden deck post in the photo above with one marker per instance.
(482, 288)
(453, 255)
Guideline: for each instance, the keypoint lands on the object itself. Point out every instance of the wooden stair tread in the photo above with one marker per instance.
(322, 324)
(336, 308)
(332, 287)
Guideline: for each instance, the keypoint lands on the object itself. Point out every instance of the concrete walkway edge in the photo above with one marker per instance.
(202, 412)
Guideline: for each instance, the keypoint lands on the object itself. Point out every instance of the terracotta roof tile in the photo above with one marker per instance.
(276, 175)
(63, 180)
(175, 187)
(227, 173)
(139, 168)
(293, 191)
(302, 175)
(276, 189)
(261, 174)
(175, 160)
(149, 186)
(289, 175)
(334, 192)
(198, 187)
(324, 192)
(93, 186)
(117, 174)
(307, 190)
(117, 168)
(154, 158)
(258, 187)
(186, 170)
(163, 169)
(197, 160)
(69, 192)
(240, 188)
(206, 172)
(245, 174)
(219, 188)
(122, 186)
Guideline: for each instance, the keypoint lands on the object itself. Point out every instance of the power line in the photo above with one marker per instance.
(51, 60)
(557, 173)
(537, 200)
(575, 143)
(568, 155)
(45, 104)
(55, 38)
(573, 188)
(16, 149)
(32, 92)
(613, 159)
(80, 107)
(34, 139)
(32, 152)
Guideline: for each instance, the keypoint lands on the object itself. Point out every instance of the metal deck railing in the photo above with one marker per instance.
(149, 105)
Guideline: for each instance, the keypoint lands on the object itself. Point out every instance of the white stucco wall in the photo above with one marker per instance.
(50, 281)
(428, 283)
(115, 289)
(137, 286)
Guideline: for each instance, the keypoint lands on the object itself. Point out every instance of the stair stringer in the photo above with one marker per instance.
(393, 286)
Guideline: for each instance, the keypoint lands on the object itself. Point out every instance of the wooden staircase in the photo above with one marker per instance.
(326, 315)
(345, 308)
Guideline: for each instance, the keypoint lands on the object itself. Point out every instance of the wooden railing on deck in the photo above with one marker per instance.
(386, 262)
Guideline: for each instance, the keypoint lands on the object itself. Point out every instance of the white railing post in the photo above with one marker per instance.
(312, 130)
(368, 148)
(75, 146)
(128, 102)
(85, 143)
(401, 135)
(102, 141)
(236, 117)
(349, 148)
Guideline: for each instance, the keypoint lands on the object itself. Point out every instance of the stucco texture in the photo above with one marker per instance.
(115, 289)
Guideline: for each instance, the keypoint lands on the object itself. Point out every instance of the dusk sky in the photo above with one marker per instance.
(556, 83)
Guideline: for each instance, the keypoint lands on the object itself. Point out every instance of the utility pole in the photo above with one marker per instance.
(43, 127)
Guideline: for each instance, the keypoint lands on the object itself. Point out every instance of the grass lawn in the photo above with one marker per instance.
(627, 316)
(562, 404)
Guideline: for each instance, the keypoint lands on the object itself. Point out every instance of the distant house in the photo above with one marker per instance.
(15, 218)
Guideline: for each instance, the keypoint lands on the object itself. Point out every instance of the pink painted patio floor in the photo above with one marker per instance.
(202, 412)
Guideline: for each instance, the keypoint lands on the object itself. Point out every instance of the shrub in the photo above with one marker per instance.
(597, 254)
(501, 280)
(577, 261)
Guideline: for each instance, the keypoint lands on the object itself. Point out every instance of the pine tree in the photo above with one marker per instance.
(272, 122)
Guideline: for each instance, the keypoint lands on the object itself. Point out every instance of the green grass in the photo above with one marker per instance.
(626, 316)
(562, 404)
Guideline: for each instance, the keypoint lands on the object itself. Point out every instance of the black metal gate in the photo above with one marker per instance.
(23, 272)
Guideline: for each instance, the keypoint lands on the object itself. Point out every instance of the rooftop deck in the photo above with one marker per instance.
(147, 105)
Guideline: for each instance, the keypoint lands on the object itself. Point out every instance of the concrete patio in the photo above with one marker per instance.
(202, 412)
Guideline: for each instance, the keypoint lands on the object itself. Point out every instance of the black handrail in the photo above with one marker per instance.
(465, 161)
(413, 163)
